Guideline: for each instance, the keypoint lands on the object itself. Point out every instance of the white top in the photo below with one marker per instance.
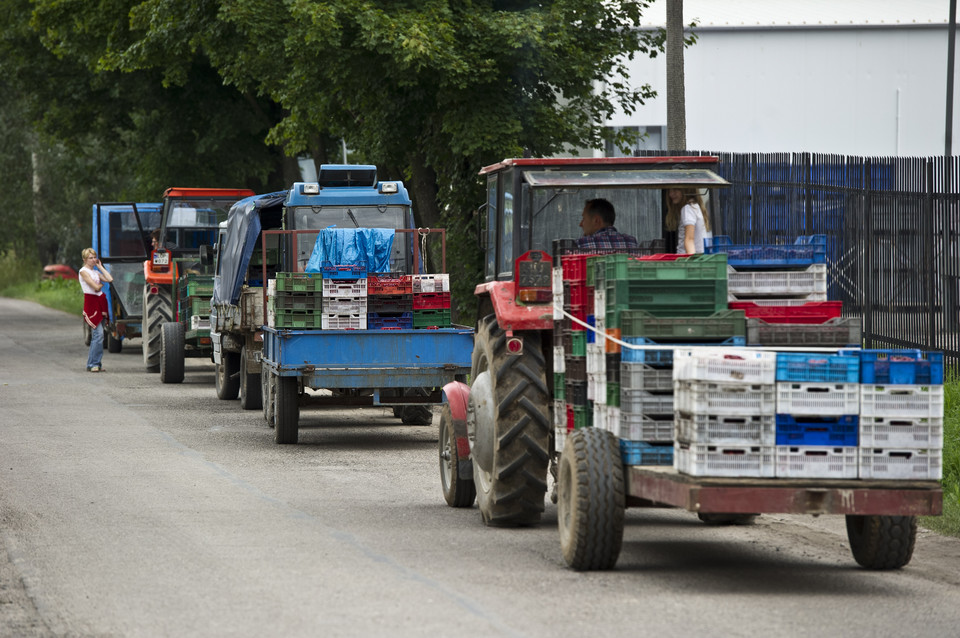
(690, 215)
(84, 286)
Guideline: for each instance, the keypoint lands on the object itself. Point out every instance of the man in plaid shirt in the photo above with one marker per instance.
(599, 233)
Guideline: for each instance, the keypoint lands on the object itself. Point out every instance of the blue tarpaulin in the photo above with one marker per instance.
(369, 247)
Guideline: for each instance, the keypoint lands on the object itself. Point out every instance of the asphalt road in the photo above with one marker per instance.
(130, 508)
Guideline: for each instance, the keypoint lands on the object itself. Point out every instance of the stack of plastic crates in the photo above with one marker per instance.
(431, 301)
(901, 414)
(295, 300)
(783, 290)
(725, 407)
(572, 408)
(194, 299)
(389, 301)
(818, 407)
(344, 297)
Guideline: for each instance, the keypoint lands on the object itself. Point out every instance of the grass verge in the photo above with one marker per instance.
(949, 522)
(23, 282)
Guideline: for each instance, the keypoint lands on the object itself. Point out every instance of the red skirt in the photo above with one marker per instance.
(94, 309)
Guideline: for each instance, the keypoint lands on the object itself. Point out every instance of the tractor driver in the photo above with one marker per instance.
(599, 233)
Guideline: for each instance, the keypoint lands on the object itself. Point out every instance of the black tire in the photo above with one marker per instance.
(171, 353)
(457, 492)
(251, 397)
(114, 344)
(268, 392)
(287, 411)
(511, 490)
(397, 409)
(87, 334)
(228, 375)
(882, 542)
(727, 519)
(157, 310)
(591, 500)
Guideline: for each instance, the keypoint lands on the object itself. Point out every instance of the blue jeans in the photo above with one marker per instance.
(96, 346)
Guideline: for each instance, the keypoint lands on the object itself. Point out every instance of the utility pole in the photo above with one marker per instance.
(676, 99)
(951, 48)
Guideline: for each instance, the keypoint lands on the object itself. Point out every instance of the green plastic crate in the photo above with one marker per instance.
(613, 394)
(196, 306)
(298, 301)
(559, 383)
(716, 327)
(431, 319)
(297, 318)
(578, 341)
(582, 416)
(593, 264)
(696, 267)
(299, 282)
(200, 286)
(691, 298)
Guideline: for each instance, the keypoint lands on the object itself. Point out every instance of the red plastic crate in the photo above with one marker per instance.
(577, 294)
(809, 312)
(389, 284)
(575, 267)
(431, 301)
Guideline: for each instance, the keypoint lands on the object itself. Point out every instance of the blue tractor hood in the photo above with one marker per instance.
(243, 229)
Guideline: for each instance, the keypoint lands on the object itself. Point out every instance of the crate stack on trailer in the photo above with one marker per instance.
(344, 291)
(294, 300)
(389, 301)
(431, 300)
(572, 409)
(782, 288)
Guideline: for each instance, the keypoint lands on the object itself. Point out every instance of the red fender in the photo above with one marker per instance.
(457, 394)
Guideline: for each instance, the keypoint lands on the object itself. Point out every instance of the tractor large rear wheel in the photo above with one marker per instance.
(882, 542)
(509, 427)
(591, 500)
(171, 353)
(250, 393)
(227, 374)
(157, 310)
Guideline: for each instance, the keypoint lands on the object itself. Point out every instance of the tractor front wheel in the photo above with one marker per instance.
(114, 343)
(171, 352)
(157, 310)
(457, 492)
(509, 426)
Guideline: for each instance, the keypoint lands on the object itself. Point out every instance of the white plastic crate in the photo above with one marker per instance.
(779, 301)
(812, 279)
(637, 427)
(887, 463)
(343, 322)
(814, 461)
(559, 414)
(818, 399)
(705, 397)
(558, 361)
(724, 365)
(560, 438)
(596, 361)
(731, 429)
(344, 288)
(597, 387)
(599, 304)
(901, 432)
(271, 287)
(600, 417)
(638, 376)
(345, 305)
(435, 282)
(199, 323)
(640, 402)
(557, 288)
(701, 459)
(902, 400)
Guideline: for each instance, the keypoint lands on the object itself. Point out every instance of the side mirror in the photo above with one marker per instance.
(206, 254)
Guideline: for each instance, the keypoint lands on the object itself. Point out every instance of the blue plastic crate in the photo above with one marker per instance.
(805, 251)
(641, 453)
(805, 366)
(899, 367)
(662, 358)
(389, 321)
(591, 335)
(343, 271)
(835, 431)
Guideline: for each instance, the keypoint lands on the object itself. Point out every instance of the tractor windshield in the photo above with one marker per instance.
(340, 216)
(192, 223)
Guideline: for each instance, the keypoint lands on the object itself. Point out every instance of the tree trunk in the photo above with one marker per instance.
(676, 100)
(423, 193)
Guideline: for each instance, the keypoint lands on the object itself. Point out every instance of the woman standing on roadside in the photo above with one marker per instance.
(92, 276)
(686, 213)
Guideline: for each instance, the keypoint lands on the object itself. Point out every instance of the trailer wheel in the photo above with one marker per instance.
(114, 344)
(509, 427)
(591, 500)
(727, 519)
(287, 410)
(457, 492)
(171, 353)
(228, 375)
(250, 394)
(157, 310)
(882, 542)
(268, 394)
(416, 414)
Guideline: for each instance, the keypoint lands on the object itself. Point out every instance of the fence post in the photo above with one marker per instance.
(927, 243)
(808, 197)
(867, 222)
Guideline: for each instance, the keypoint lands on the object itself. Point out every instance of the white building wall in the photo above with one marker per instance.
(857, 91)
